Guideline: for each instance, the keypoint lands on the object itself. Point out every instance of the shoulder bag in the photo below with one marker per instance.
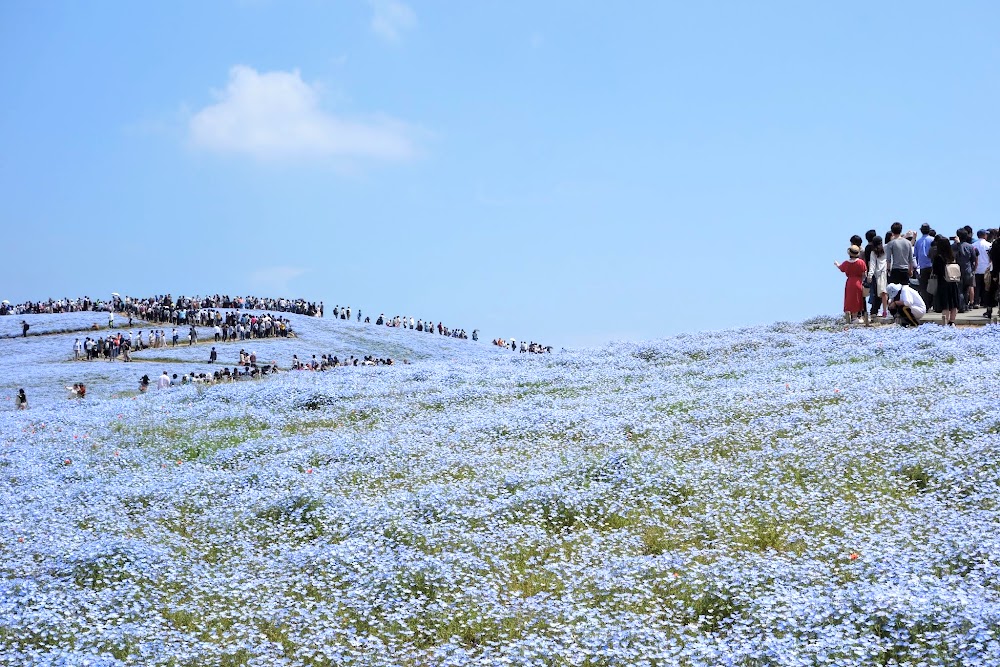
(952, 273)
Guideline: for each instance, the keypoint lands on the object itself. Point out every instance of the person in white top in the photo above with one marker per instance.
(905, 302)
(77, 349)
(983, 263)
(164, 381)
(878, 274)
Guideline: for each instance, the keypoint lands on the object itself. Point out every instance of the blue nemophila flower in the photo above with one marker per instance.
(747, 496)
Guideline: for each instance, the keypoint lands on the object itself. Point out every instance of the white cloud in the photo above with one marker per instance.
(276, 115)
(391, 19)
(275, 279)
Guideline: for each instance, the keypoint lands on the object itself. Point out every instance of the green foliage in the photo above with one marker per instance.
(917, 476)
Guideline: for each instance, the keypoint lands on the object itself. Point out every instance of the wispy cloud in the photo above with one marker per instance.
(277, 115)
(391, 18)
(275, 279)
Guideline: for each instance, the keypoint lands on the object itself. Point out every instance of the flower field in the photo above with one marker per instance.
(798, 494)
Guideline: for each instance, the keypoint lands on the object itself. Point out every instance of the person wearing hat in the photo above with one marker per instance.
(855, 270)
(906, 304)
(922, 254)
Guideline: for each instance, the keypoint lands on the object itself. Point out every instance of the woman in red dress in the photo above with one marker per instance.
(855, 269)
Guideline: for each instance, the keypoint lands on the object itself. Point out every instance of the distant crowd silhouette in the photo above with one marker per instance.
(163, 307)
(231, 325)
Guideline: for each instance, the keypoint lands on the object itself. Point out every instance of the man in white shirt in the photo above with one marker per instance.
(164, 381)
(905, 302)
(983, 246)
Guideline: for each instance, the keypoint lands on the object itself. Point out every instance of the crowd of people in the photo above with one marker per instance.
(158, 308)
(532, 347)
(238, 373)
(231, 324)
(326, 361)
(194, 311)
(407, 322)
(904, 275)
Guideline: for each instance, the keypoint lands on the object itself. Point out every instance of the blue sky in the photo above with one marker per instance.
(564, 172)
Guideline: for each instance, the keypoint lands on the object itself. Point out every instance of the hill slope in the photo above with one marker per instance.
(784, 495)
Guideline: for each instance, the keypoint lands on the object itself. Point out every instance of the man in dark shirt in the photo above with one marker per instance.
(967, 257)
(874, 298)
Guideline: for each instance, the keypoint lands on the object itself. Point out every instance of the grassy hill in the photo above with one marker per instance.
(798, 494)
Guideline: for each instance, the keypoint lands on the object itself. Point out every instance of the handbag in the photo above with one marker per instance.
(932, 283)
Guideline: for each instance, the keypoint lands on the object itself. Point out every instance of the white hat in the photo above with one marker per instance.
(892, 289)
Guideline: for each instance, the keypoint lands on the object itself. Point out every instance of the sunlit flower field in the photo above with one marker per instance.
(798, 494)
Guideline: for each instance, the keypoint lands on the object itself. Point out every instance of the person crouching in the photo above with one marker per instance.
(905, 303)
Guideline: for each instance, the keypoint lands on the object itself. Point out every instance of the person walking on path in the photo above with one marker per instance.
(854, 268)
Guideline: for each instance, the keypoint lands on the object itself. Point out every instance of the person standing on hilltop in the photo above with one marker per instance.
(877, 276)
(982, 264)
(24, 329)
(947, 296)
(922, 255)
(900, 254)
(855, 270)
(994, 271)
(967, 259)
(873, 299)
